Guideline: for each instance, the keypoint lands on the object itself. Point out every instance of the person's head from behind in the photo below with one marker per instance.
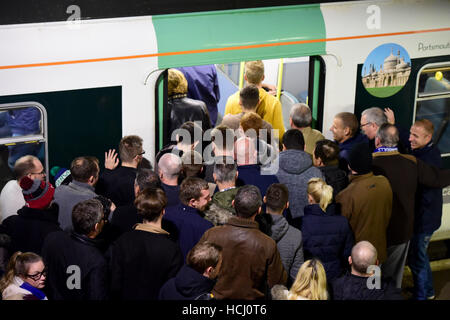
(130, 150)
(151, 203)
(247, 202)
(276, 198)
(245, 151)
(421, 133)
(251, 124)
(194, 192)
(169, 168)
(223, 139)
(364, 255)
(249, 98)
(192, 164)
(326, 153)
(344, 127)
(310, 282)
(188, 136)
(319, 193)
(300, 116)
(206, 259)
(146, 178)
(371, 120)
(28, 266)
(85, 170)
(176, 83)
(387, 136)
(29, 166)
(360, 159)
(225, 171)
(254, 72)
(293, 139)
(87, 218)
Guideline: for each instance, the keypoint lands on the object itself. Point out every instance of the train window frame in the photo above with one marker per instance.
(316, 95)
(42, 137)
(429, 96)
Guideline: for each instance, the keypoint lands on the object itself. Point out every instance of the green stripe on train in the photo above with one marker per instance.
(222, 29)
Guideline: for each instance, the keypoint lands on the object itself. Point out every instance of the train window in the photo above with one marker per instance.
(23, 131)
(433, 102)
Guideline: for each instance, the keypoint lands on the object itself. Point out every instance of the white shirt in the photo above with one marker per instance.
(11, 199)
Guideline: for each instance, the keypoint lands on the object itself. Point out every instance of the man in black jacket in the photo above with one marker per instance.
(365, 281)
(196, 278)
(76, 268)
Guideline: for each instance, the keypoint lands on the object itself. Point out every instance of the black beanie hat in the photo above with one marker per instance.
(360, 158)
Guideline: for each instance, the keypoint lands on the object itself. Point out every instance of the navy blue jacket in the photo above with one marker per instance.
(328, 237)
(428, 212)
(347, 146)
(186, 225)
(188, 284)
(251, 174)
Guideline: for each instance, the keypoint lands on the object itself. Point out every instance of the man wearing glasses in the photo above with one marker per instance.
(11, 197)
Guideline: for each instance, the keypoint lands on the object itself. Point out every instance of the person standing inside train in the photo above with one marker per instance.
(203, 85)
(269, 107)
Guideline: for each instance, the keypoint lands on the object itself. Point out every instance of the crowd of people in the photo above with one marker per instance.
(256, 212)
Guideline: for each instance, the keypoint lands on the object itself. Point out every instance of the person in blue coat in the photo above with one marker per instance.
(197, 277)
(326, 235)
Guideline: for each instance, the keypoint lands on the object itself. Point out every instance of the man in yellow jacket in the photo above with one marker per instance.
(269, 107)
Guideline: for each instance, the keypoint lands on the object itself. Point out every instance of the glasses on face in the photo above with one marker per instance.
(365, 124)
(38, 275)
(42, 173)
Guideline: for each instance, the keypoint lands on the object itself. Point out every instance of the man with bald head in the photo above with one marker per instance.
(169, 169)
(359, 283)
(249, 170)
(300, 118)
(405, 174)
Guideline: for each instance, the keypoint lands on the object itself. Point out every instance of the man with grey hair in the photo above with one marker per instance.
(11, 197)
(371, 120)
(364, 282)
(169, 169)
(300, 118)
(77, 253)
(225, 175)
(405, 174)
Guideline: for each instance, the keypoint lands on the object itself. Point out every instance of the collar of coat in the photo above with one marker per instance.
(150, 228)
(357, 177)
(242, 222)
(384, 154)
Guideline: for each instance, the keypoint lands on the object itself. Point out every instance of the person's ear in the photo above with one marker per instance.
(265, 199)
(163, 212)
(350, 260)
(259, 211)
(237, 175)
(214, 177)
(287, 205)
(192, 203)
(232, 203)
(347, 131)
(208, 271)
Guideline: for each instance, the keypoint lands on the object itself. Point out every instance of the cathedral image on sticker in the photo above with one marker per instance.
(393, 72)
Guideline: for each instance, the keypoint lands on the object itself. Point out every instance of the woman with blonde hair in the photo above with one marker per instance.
(24, 278)
(326, 234)
(310, 283)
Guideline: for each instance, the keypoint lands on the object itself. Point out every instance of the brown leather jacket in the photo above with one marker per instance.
(251, 263)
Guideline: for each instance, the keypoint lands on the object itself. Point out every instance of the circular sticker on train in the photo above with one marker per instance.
(386, 70)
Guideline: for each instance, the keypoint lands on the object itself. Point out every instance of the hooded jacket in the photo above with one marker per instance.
(328, 237)
(295, 171)
(187, 285)
(289, 243)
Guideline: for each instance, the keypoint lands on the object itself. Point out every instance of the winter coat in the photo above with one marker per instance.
(251, 262)
(21, 290)
(353, 287)
(67, 196)
(172, 193)
(295, 171)
(335, 177)
(141, 261)
(117, 185)
(185, 109)
(289, 244)
(62, 251)
(251, 175)
(405, 173)
(429, 200)
(220, 209)
(185, 224)
(367, 204)
(328, 237)
(347, 146)
(29, 228)
(187, 285)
